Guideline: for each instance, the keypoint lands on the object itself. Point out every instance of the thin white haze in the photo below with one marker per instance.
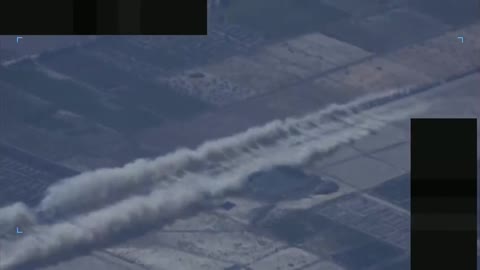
(186, 177)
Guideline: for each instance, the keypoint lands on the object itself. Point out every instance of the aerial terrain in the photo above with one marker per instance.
(281, 140)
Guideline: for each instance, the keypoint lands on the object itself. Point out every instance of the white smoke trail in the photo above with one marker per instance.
(106, 185)
(14, 215)
(294, 148)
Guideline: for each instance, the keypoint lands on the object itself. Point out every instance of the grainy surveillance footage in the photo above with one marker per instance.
(279, 141)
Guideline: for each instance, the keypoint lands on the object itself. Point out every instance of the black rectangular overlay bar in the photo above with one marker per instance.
(444, 194)
(103, 17)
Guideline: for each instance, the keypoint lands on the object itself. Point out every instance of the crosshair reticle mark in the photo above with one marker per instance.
(19, 231)
(18, 39)
(461, 38)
